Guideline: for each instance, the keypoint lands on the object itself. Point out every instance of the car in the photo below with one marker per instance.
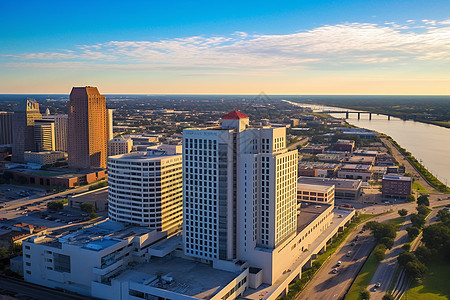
(348, 253)
(353, 244)
(340, 216)
(362, 231)
(334, 271)
(339, 263)
(377, 285)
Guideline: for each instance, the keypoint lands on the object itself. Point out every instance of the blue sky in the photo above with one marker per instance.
(281, 47)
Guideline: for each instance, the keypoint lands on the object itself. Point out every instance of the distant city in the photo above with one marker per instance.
(209, 197)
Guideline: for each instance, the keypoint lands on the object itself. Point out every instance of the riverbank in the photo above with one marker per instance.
(429, 179)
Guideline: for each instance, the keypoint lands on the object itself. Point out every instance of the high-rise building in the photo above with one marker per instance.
(119, 145)
(87, 139)
(44, 135)
(23, 127)
(239, 188)
(61, 130)
(110, 123)
(145, 189)
(6, 133)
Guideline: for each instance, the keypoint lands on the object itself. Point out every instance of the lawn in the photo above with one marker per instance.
(363, 279)
(417, 186)
(436, 284)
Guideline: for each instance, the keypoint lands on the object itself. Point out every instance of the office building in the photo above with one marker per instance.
(23, 128)
(345, 189)
(6, 132)
(239, 188)
(396, 186)
(145, 189)
(87, 140)
(61, 130)
(44, 135)
(119, 145)
(110, 123)
(344, 145)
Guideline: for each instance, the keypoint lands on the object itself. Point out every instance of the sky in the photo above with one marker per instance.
(226, 47)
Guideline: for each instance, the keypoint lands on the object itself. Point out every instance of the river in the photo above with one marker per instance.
(430, 144)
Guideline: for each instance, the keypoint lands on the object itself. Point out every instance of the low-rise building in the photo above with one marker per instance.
(396, 186)
(98, 198)
(44, 158)
(360, 160)
(371, 153)
(313, 149)
(315, 193)
(316, 169)
(344, 145)
(345, 189)
(354, 171)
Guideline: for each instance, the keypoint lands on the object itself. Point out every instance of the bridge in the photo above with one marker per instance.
(347, 113)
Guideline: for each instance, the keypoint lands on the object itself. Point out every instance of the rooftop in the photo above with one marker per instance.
(309, 211)
(397, 177)
(234, 115)
(189, 277)
(339, 183)
(151, 154)
(313, 187)
(356, 167)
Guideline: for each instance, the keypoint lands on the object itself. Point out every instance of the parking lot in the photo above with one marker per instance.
(9, 192)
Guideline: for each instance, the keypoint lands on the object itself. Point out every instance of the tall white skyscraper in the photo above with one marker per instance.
(239, 188)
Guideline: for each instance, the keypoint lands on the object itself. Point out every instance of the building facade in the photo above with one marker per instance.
(44, 158)
(145, 189)
(396, 186)
(44, 135)
(61, 130)
(239, 188)
(23, 128)
(315, 193)
(6, 132)
(119, 146)
(110, 123)
(87, 140)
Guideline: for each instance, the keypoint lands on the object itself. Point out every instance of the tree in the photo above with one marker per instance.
(413, 232)
(364, 295)
(405, 257)
(410, 198)
(387, 241)
(3, 252)
(92, 215)
(402, 212)
(444, 217)
(388, 297)
(406, 247)
(417, 220)
(87, 207)
(55, 205)
(415, 269)
(423, 210)
(423, 200)
(379, 252)
(436, 236)
(423, 254)
(380, 230)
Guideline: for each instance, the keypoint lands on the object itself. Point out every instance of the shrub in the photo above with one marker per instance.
(87, 207)
(411, 198)
(423, 200)
(402, 212)
(55, 205)
(364, 295)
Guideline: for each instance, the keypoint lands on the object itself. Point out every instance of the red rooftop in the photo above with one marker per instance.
(234, 115)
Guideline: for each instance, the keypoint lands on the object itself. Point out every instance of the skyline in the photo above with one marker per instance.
(323, 48)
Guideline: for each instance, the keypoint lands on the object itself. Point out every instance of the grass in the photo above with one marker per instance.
(363, 279)
(417, 186)
(436, 283)
(296, 287)
(397, 221)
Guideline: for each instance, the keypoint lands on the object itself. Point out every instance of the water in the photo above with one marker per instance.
(430, 144)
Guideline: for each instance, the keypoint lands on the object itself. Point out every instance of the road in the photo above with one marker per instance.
(296, 144)
(25, 290)
(326, 285)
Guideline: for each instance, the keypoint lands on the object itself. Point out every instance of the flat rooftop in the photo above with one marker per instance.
(147, 155)
(313, 187)
(339, 183)
(397, 177)
(95, 195)
(190, 277)
(309, 211)
(356, 167)
(316, 165)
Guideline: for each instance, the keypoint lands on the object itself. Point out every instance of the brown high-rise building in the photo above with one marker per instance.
(23, 128)
(87, 140)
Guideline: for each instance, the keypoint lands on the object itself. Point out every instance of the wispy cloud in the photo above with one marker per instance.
(341, 44)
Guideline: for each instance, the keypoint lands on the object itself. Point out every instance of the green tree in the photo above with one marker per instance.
(364, 295)
(413, 232)
(92, 215)
(423, 254)
(406, 247)
(388, 296)
(423, 210)
(87, 207)
(444, 217)
(379, 252)
(381, 230)
(415, 269)
(436, 236)
(3, 252)
(387, 241)
(55, 205)
(417, 220)
(402, 212)
(423, 200)
(410, 198)
(405, 257)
